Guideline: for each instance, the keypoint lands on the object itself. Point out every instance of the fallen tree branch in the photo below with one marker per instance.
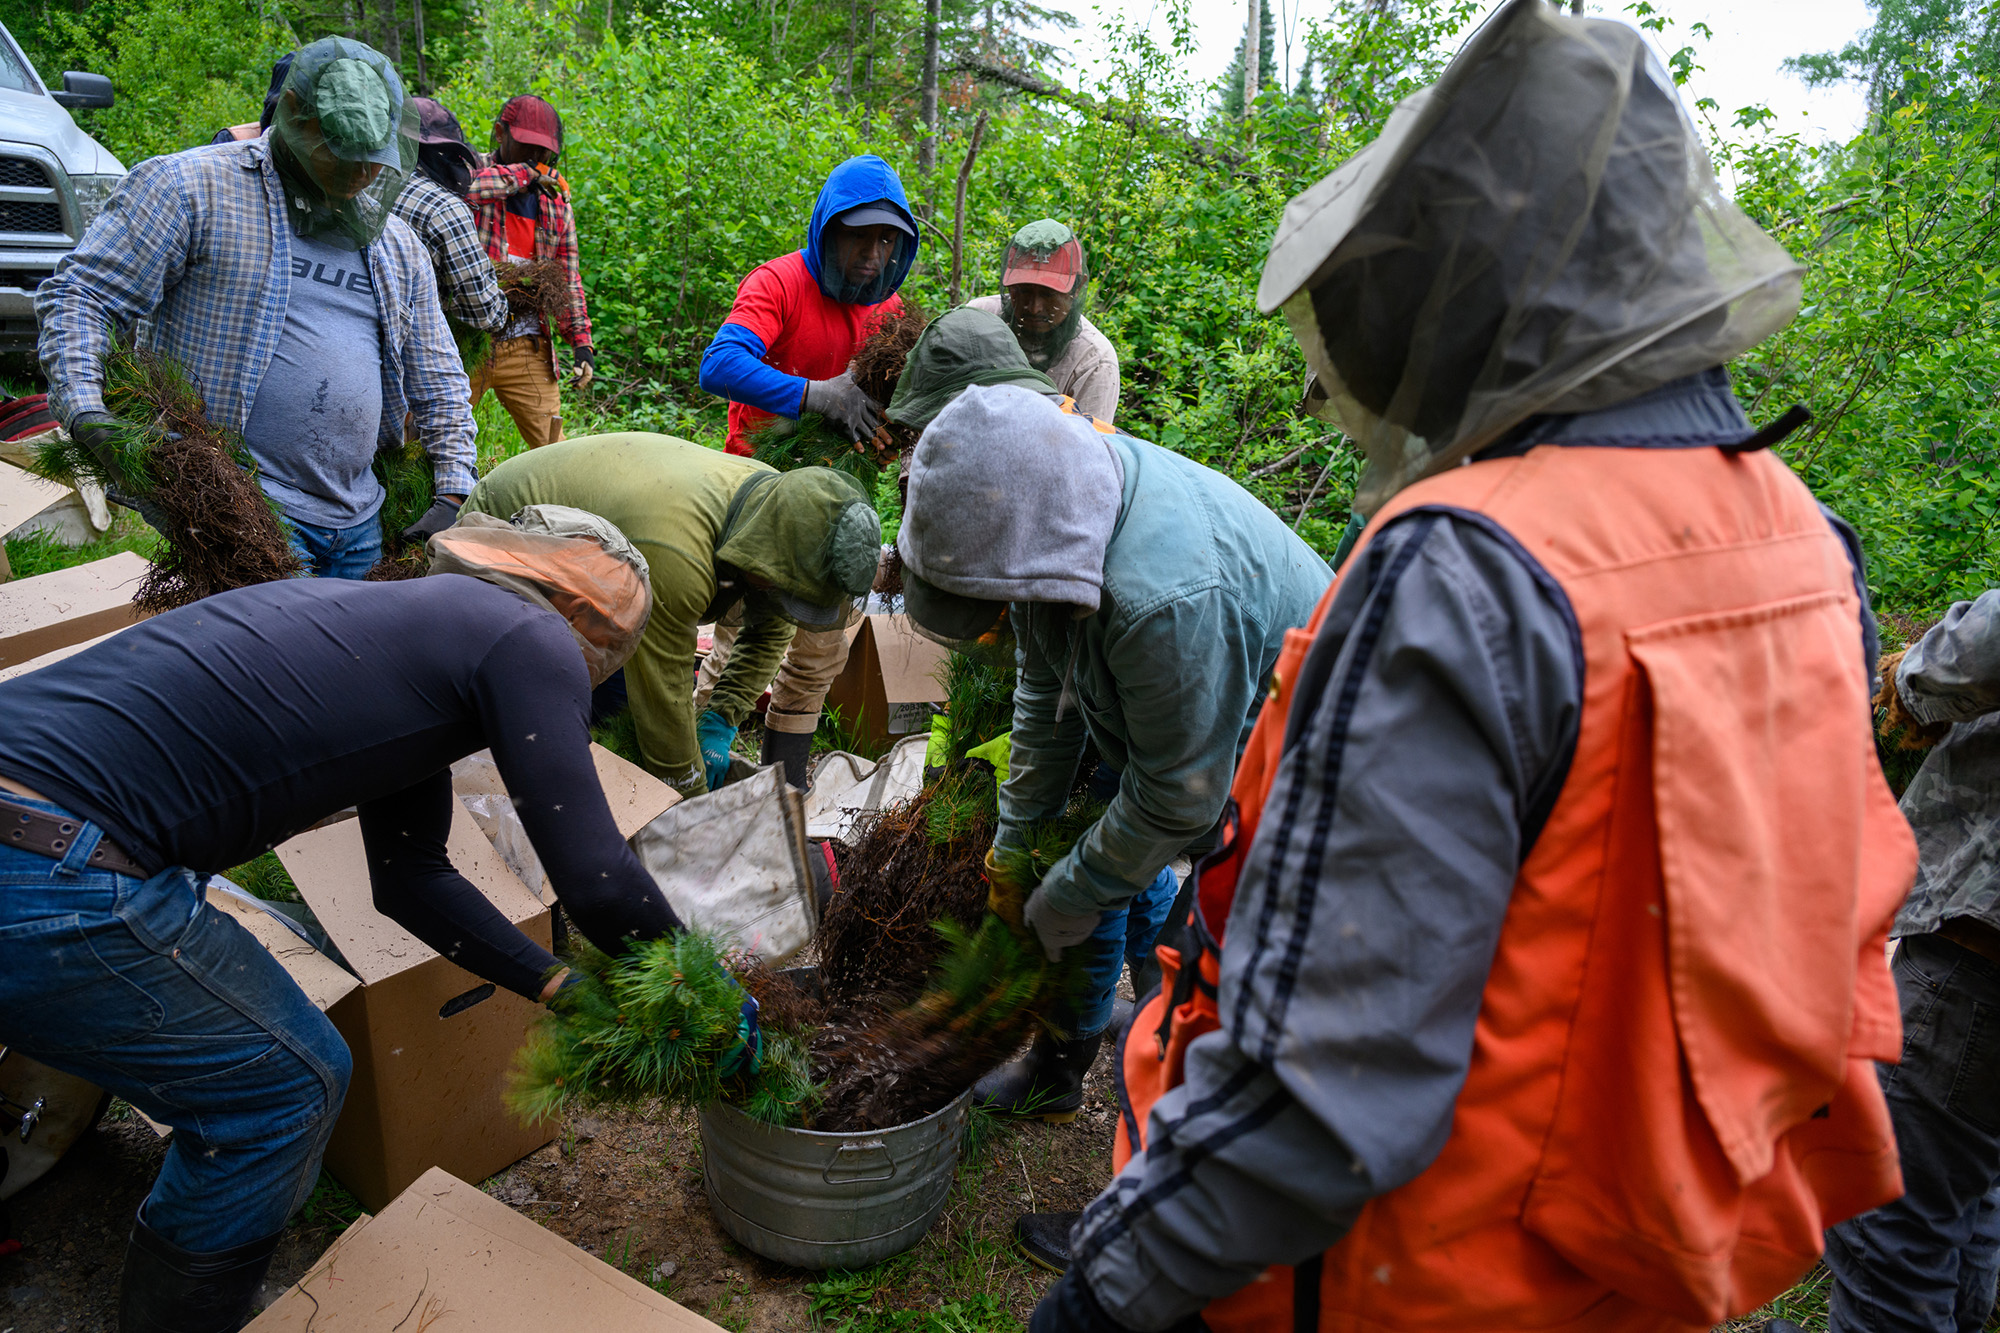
(1036, 86)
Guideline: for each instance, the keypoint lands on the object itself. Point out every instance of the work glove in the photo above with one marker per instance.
(746, 1057)
(715, 737)
(1010, 878)
(441, 515)
(96, 433)
(1056, 929)
(586, 366)
(156, 517)
(1070, 1306)
(841, 401)
(549, 181)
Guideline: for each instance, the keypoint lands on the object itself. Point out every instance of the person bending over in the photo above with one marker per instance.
(203, 737)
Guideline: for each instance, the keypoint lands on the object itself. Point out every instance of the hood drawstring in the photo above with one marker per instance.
(1069, 671)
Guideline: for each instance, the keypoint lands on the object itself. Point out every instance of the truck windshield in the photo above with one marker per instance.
(13, 70)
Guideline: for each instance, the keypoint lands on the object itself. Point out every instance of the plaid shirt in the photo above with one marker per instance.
(193, 254)
(444, 224)
(555, 235)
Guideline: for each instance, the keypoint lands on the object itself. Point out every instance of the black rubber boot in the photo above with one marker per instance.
(1047, 1082)
(792, 749)
(1044, 1238)
(170, 1290)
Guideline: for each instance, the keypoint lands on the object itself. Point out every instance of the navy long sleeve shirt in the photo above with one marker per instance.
(207, 735)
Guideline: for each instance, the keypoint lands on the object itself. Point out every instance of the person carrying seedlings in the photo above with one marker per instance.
(432, 202)
(200, 738)
(785, 350)
(1930, 1260)
(275, 274)
(1539, 981)
(722, 534)
(521, 204)
(1150, 597)
(1042, 284)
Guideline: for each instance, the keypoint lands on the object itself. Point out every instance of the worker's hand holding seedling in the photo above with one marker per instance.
(843, 402)
(1013, 894)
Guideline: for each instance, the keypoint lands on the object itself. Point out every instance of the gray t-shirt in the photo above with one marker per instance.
(317, 418)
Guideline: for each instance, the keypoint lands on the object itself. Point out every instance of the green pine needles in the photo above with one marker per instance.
(659, 1022)
(813, 441)
(194, 481)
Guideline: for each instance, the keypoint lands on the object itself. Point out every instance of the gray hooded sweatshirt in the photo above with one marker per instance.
(1160, 589)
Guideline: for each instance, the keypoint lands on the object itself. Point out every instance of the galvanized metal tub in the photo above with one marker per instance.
(820, 1200)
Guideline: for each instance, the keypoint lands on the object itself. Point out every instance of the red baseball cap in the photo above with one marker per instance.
(1058, 269)
(532, 121)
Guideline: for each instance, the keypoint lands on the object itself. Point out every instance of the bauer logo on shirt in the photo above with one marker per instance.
(354, 280)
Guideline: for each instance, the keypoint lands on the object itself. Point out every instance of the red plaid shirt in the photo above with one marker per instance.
(555, 235)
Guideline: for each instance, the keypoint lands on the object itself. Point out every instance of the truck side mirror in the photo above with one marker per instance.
(84, 92)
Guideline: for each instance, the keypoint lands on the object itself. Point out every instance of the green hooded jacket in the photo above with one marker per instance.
(689, 509)
(960, 348)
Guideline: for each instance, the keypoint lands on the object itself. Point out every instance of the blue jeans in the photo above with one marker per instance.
(1927, 1263)
(1123, 934)
(337, 553)
(147, 991)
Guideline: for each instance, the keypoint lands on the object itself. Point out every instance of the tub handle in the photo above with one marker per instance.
(868, 1146)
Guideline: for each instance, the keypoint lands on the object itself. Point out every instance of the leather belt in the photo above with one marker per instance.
(1969, 932)
(45, 834)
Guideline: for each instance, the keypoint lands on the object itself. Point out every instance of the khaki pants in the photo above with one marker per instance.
(519, 373)
(810, 666)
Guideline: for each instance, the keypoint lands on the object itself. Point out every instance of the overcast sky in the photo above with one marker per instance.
(1741, 63)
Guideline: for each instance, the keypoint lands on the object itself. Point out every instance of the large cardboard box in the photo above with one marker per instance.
(445, 1256)
(893, 679)
(50, 658)
(49, 611)
(431, 1041)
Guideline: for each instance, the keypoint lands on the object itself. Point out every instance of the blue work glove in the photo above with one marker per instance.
(747, 1056)
(715, 737)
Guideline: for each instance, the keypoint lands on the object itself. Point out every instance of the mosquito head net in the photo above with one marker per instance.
(1538, 231)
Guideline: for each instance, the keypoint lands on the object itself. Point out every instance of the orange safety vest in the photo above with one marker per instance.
(1672, 1087)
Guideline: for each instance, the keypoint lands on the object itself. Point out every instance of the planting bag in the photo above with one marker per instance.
(733, 865)
(848, 789)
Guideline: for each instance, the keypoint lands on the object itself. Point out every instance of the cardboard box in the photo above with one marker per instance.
(636, 797)
(893, 678)
(24, 497)
(431, 1042)
(46, 659)
(49, 611)
(445, 1256)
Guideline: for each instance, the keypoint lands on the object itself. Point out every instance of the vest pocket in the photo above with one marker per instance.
(1718, 999)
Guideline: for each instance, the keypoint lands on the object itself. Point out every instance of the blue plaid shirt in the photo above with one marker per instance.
(192, 254)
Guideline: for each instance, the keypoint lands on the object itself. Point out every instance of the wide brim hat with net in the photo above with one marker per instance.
(566, 560)
(1540, 231)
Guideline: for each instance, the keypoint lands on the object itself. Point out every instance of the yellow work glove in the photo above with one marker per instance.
(1010, 878)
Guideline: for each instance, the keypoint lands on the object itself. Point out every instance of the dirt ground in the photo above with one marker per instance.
(627, 1187)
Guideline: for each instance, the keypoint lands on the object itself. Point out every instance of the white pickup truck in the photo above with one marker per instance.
(53, 180)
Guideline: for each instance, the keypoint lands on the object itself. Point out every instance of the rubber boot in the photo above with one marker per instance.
(792, 749)
(1044, 1238)
(170, 1290)
(1047, 1082)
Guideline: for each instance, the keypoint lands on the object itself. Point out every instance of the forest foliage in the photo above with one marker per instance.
(699, 132)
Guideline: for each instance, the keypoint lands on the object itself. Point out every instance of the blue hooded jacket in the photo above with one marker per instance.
(733, 367)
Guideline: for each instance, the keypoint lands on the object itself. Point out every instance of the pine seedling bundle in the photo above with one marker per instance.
(222, 532)
(408, 489)
(659, 1022)
(812, 441)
